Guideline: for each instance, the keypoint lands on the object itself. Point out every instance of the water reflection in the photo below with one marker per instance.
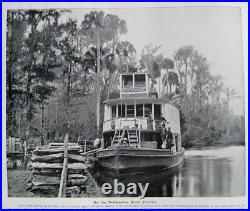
(201, 174)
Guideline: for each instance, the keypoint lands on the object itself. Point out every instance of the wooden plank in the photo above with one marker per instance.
(76, 176)
(45, 181)
(63, 183)
(56, 172)
(62, 144)
(48, 172)
(77, 182)
(55, 181)
(77, 158)
(90, 152)
(48, 151)
(72, 166)
(56, 158)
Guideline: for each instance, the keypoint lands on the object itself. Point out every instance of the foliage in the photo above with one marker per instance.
(59, 73)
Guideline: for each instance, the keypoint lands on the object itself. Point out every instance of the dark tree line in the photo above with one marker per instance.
(58, 73)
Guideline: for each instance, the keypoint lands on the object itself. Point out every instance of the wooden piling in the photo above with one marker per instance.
(63, 183)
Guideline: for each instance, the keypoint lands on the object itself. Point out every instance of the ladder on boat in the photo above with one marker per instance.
(132, 135)
(117, 137)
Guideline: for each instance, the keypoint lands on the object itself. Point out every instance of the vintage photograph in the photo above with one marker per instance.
(124, 102)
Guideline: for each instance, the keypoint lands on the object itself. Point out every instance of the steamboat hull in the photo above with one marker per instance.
(128, 160)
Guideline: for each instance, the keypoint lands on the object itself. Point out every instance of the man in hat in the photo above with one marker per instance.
(163, 136)
(150, 120)
(162, 118)
(169, 138)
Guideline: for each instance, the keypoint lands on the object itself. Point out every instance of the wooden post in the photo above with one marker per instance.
(85, 145)
(63, 182)
(133, 80)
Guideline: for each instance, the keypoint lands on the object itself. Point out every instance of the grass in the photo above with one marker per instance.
(17, 183)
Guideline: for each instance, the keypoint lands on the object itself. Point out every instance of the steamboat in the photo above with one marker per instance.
(132, 127)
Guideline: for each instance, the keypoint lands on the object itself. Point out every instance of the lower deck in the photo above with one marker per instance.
(136, 138)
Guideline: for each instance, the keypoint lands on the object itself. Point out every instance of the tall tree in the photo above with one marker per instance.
(49, 60)
(150, 61)
(182, 58)
(173, 80)
(230, 94)
(31, 56)
(101, 29)
(72, 61)
(16, 28)
(167, 64)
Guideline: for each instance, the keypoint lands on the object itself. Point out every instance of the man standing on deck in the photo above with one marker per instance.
(150, 121)
(162, 118)
(169, 138)
(163, 136)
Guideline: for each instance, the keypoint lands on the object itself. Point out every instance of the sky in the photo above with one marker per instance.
(214, 31)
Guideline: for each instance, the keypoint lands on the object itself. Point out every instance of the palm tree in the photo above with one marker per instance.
(167, 64)
(101, 29)
(124, 50)
(172, 80)
(182, 57)
(150, 61)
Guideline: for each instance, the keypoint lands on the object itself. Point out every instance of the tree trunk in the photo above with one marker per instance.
(43, 134)
(167, 81)
(109, 85)
(28, 102)
(185, 88)
(98, 95)
(29, 81)
(57, 122)
(68, 97)
(160, 80)
(9, 79)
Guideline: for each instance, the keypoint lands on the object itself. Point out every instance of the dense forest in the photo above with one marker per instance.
(59, 72)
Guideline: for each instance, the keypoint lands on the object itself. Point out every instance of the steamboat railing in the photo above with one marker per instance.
(139, 123)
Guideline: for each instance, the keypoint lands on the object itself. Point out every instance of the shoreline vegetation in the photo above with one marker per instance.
(58, 69)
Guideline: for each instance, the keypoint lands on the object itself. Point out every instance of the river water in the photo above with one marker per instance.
(209, 172)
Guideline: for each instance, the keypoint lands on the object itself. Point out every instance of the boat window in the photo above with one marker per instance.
(139, 110)
(113, 111)
(140, 80)
(130, 110)
(157, 111)
(148, 109)
(121, 111)
(127, 81)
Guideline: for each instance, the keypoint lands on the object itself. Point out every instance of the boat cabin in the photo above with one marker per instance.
(139, 111)
(137, 85)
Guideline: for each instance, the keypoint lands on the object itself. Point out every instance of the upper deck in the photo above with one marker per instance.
(136, 85)
(139, 105)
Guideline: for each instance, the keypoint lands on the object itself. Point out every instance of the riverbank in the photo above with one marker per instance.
(17, 183)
